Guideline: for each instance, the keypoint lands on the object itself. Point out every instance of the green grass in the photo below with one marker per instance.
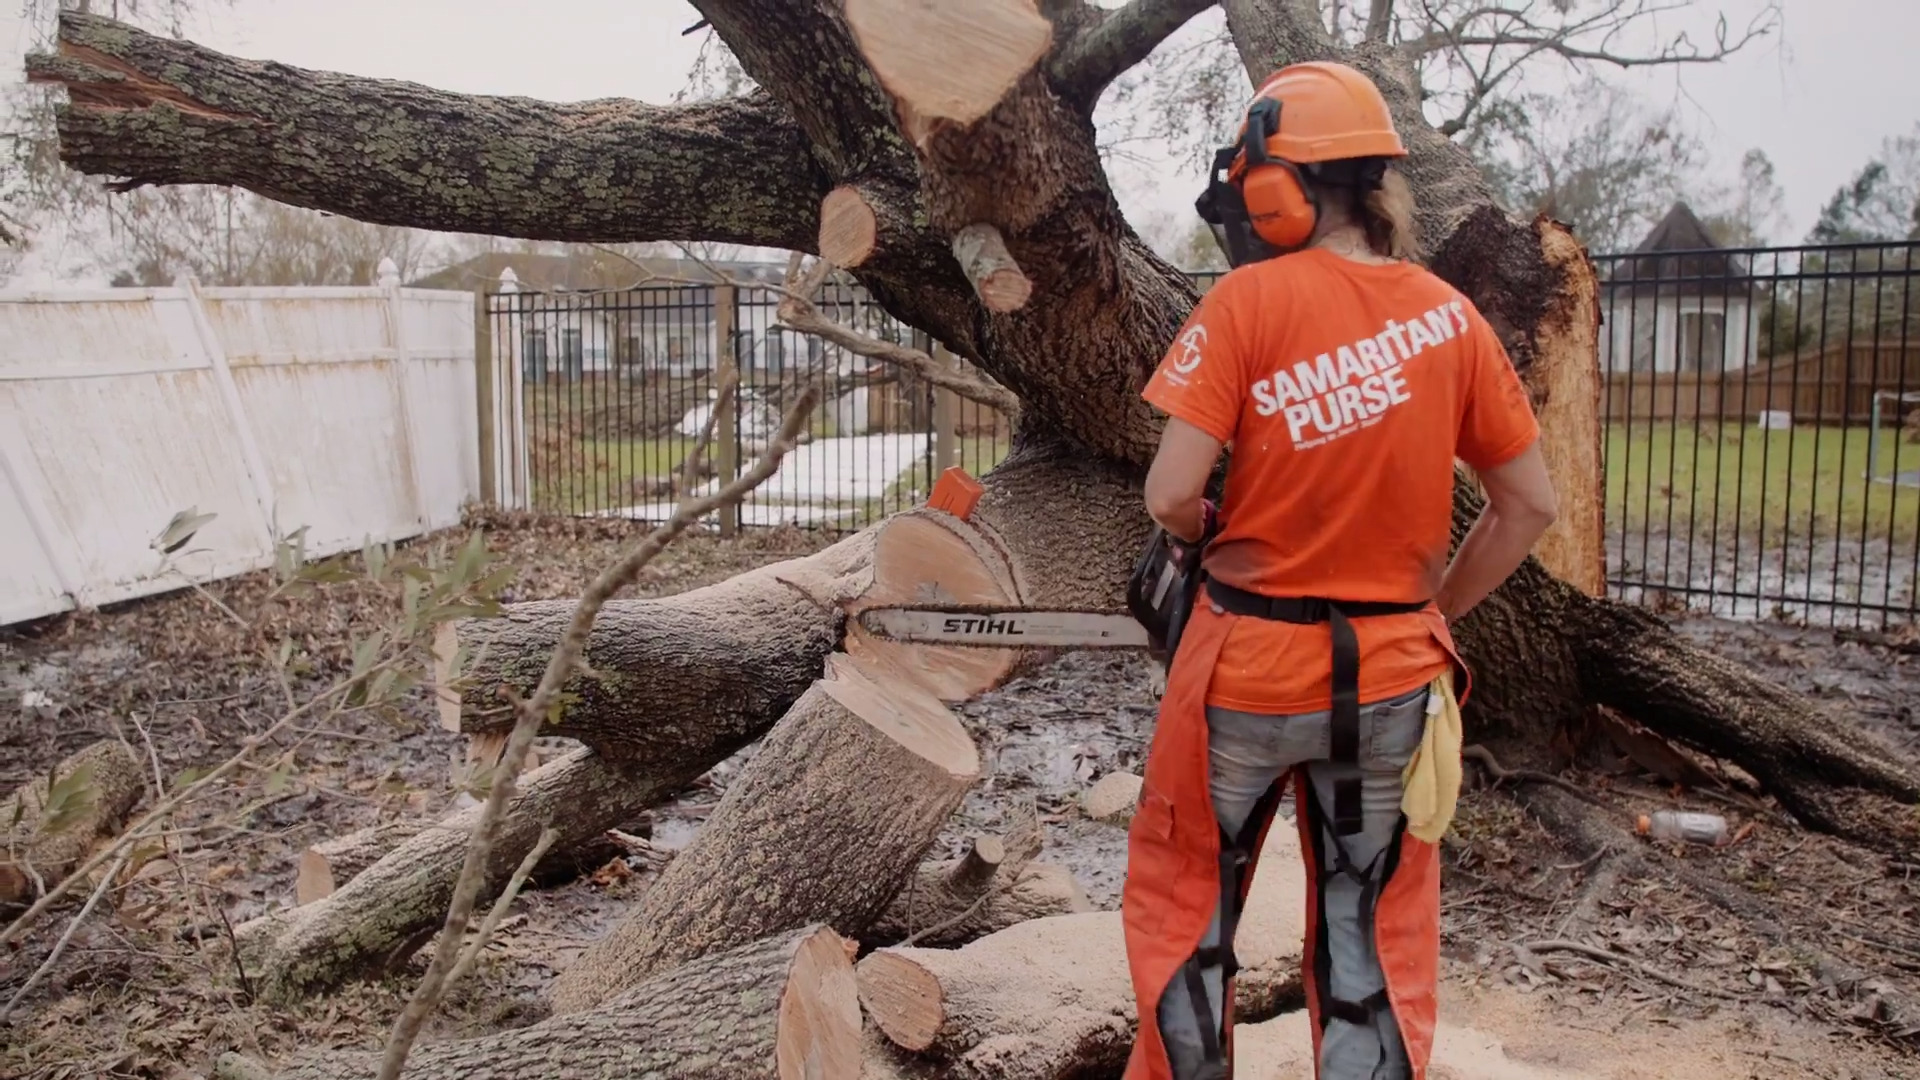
(600, 474)
(1717, 475)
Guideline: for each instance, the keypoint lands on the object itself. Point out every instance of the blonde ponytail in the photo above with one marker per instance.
(1387, 215)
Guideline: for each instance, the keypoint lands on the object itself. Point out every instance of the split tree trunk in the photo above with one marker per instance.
(51, 824)
(782, 1008)
(825, 823)
(1051, 998)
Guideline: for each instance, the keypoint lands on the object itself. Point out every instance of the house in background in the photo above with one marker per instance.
(593, 311)
(1679, 302)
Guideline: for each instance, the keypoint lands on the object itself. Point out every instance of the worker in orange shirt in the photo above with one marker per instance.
(1346, 379)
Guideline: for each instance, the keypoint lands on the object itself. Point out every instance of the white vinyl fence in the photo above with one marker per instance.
(347, 411)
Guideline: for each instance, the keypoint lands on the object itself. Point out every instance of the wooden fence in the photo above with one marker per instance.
(1832, 385)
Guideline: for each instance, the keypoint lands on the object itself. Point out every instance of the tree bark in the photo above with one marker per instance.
(676, 683)
(392, 908)
(1051, 998)
(162, 111)
(825, 823)
(53, 822)
(329, 865)
(781, 1008)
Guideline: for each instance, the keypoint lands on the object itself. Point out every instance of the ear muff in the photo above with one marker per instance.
(1281, 207)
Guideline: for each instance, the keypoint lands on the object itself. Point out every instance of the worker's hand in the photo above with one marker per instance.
(1181, 551)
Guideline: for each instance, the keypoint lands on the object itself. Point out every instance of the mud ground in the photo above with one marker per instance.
(1803, 993)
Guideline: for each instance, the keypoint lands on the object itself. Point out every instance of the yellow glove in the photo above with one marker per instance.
(1432, 778)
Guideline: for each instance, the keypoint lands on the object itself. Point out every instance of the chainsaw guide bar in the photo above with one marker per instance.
(1004, 628)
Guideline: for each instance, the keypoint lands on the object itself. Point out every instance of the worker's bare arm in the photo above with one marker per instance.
(1177, 482)
(1520, 506)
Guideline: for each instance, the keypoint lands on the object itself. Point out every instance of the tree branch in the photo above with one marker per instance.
(798, 313)
(1084, 66)
(161, 111)
(1380, 20)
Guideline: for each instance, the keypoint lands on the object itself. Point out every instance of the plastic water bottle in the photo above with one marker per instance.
(1694, 828)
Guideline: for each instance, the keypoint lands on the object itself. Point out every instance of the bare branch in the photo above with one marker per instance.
(567, 659)
(797, 312)
(61, 945)
(1380, 20)
(1085, 65)
(1490, 42)
(499, 911)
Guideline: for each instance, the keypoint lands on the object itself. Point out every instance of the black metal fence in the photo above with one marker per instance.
(1761, 416)
(617, 387)
(1761, 411)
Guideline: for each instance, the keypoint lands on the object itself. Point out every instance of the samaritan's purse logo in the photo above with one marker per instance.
(1191, 342)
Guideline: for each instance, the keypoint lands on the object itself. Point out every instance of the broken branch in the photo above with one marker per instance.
(797, 312)
(996, 278)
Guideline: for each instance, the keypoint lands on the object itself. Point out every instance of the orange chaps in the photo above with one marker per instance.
(1175, 870)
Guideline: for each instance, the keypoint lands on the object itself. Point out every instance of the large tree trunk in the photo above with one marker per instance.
(929, 158)
(782, 1008)
(825, 824)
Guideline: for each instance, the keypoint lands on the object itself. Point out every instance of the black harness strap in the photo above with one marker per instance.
(1371, 880)
(1346, 670)
(1235, 854)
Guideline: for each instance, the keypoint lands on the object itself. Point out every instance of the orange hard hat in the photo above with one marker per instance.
(1327, 112)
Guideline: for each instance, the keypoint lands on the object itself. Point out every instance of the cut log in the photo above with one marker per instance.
(998, 280)
(1051, 998)
(824, 824)
(327, 866)
(923, 557)
(1112, 798)
(709, 669)
(950, 62)
(849, 227)
(53, 822)
(953, 901)
(386, 912)
(783, 1008)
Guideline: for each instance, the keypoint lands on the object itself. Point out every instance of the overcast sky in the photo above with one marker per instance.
(1818, 98)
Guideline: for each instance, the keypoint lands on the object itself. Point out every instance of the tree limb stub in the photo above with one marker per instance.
(996, 277)
(948, 62)
(162, 111)
(849, 227)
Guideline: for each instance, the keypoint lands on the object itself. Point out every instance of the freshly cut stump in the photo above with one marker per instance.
(825, 824)
(51, 828)
(1112, 798)
(925, 557)
(1050, 998)
(782, 1008)
(953, 901)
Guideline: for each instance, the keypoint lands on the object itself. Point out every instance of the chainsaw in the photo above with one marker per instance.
(1160, 595)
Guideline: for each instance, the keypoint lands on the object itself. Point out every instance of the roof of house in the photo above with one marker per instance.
(1680, 230)
(588, 269)
(1679, 256)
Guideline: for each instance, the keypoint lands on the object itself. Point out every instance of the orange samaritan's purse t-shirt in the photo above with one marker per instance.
(1345, 391)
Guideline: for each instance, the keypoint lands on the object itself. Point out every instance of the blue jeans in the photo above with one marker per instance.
(1248, 752)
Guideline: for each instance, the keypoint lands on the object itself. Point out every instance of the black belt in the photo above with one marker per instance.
(1346, 669)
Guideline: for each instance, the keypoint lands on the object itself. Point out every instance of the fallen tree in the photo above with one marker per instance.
(963, 187)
